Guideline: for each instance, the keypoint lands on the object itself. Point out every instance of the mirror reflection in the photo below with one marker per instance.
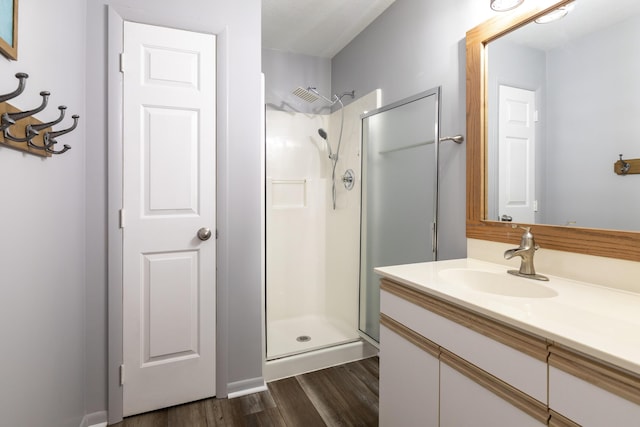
(563, 104)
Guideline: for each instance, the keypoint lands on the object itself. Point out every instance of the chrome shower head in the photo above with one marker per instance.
(322, 134)
(305, 94)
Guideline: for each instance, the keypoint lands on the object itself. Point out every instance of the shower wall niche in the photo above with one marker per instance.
(312, 250)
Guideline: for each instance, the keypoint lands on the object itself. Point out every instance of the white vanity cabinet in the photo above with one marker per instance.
(452, 356)
(435, 371)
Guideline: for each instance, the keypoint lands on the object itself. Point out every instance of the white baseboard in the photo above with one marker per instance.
(95, 419)
(244, 387)
(248, 391)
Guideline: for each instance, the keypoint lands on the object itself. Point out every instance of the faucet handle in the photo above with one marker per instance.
(527, 240)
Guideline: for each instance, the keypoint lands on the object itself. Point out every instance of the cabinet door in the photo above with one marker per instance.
(465, 403)
(472, 337)
(409, 381)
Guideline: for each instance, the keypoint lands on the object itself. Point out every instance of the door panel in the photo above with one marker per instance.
(171, 312)
(171, 158)
(169, 194)
(160, 66)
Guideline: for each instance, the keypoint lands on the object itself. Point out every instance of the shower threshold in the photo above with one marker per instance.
(322, 358)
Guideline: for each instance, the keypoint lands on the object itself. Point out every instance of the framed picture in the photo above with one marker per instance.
(9, 28)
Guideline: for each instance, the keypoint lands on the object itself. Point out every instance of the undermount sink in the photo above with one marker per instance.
(498, 283)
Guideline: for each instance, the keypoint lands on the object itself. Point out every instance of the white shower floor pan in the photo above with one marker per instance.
(287, 337)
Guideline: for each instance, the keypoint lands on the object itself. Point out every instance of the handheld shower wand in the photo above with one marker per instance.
(334, 162)
(323, 135)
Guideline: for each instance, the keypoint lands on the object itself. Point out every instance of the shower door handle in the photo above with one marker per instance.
(204, 234)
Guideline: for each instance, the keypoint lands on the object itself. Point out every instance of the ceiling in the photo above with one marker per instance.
(316, 27)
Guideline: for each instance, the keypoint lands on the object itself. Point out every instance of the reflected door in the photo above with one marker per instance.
(516, 155)
(399, 194)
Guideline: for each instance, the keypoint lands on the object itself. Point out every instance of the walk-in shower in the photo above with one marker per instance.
(329, 223)
(312, 248)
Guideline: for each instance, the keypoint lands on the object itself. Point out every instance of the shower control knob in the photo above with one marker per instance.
(204, 234)
(348, 179)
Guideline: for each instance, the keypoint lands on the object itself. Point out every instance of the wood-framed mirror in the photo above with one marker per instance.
(591, 241)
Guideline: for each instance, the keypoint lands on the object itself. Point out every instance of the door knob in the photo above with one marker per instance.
(204, 234)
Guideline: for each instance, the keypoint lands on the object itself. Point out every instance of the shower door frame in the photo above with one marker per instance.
(436, 91)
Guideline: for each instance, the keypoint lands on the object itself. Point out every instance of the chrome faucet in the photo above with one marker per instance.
(526, 250)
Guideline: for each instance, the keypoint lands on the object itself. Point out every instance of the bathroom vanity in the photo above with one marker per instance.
(463, 343)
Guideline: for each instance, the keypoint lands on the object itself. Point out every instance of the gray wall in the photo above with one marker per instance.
(414, 46)
(593, 115)
(42, 233)
(284, 72)
(238, 27)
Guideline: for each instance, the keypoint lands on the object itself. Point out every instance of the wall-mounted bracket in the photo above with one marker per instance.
(627, 166)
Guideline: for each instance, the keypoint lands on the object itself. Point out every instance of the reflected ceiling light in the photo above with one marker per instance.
(556, 14)
(504, 5)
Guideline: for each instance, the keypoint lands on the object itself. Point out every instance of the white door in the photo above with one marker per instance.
(516, 155)
(169, 194)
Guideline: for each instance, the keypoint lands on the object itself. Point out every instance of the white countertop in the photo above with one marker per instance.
(595, 320)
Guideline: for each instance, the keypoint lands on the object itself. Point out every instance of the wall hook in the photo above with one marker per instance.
(66, 147)
(22, 81)
(624, 166)
(31, 135)
(9, 119)
(50, 137)
(7, 135)
(34, 129)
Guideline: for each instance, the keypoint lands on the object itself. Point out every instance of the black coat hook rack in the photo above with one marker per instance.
(22, 131)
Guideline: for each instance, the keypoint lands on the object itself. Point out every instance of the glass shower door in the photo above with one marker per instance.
(399, 194)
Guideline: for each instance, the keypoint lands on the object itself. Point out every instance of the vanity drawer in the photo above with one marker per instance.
(510, 355)
(590, 392)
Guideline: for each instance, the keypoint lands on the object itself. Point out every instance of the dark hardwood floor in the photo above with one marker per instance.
(345, 395)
